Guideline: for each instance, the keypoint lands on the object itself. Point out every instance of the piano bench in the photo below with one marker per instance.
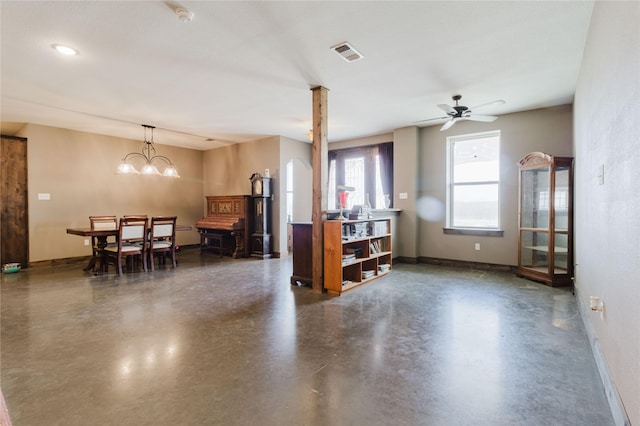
(214, 241)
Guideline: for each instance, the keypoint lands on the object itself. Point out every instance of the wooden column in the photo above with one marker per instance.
(320, 166)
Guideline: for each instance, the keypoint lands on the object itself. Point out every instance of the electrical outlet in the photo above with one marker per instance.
(86, 241)
(477, 246)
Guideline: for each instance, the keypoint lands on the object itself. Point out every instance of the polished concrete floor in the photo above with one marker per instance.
(231, 342)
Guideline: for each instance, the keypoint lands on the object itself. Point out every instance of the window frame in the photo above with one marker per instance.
(451, 186)
(372, 159)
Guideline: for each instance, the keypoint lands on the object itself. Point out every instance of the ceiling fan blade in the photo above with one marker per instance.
(480, 117)
(432, 119)
(447, 108)
(448, 124)
(498, 102)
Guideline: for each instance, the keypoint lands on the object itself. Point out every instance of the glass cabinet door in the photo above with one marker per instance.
(534, 199)
(534, 250)
(561, 199)
(561, 204)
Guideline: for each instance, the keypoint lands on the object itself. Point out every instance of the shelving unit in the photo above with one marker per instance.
(355, 252)
(545, 249)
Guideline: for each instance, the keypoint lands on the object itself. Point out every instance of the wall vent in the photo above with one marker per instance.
(347, 52)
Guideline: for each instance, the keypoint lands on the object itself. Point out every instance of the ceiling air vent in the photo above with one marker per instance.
(347, 52)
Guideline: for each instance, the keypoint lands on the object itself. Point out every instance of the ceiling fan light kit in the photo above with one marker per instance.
(460, 112)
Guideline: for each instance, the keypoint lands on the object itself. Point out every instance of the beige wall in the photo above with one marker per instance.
(547, 130)
(77, 169)
(227, 171)
(607, 133)
(406, 169)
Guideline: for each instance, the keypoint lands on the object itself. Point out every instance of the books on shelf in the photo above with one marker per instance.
(384, 267)
(348, 258)
(380, 228)
(357, 251)
(352, 231)
(377, 246)
(368, 274)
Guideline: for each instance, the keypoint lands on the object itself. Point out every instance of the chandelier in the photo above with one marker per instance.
(149, 155)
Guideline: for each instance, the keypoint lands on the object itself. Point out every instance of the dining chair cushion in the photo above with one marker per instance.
(133, 231)
(161, 244)
(162, 230)
(105, 226)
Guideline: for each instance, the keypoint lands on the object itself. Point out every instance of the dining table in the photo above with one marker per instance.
(102, 235)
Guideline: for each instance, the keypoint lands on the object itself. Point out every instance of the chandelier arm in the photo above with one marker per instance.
(148, 154)
(161, 157)
(135, 154)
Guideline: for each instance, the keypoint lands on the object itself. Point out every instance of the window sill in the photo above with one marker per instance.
(474, 231)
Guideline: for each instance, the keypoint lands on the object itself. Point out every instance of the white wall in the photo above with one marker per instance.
(607, 133)
(299, 154)
(547, 130)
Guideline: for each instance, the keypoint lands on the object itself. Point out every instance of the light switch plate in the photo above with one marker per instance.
(403, 195)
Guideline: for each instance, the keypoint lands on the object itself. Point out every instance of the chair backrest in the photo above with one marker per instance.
(133, 229)
(163, 227)
(103, 223)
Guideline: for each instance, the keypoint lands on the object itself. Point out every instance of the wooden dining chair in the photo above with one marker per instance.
(102, 223)
(132, 238)
(162, 239)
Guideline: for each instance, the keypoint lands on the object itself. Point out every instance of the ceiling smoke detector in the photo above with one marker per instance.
(347, 52)
(183, 14)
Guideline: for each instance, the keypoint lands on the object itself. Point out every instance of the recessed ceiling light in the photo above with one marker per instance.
(65, 50)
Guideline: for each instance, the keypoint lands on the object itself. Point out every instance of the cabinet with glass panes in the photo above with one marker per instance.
(545, 244)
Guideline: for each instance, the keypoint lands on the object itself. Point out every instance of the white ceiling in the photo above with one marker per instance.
(240, 71)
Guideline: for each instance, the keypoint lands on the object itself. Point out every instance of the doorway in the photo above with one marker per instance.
(14, 224)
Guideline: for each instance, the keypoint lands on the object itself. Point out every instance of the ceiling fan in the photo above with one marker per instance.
(461, 112)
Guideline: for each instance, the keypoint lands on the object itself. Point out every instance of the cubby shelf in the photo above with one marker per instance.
(355, 252)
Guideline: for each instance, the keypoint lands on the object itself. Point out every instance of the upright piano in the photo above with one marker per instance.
(228, 218)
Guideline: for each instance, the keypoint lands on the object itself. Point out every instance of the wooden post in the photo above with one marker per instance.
(319, 162)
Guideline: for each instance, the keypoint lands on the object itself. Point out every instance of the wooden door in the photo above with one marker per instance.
(14, 230)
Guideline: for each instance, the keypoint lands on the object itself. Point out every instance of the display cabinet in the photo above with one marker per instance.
(355, 252)
(545, 244)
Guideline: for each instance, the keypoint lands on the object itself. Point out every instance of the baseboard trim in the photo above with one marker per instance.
(405, 259)
(466, 264)
(616, 405)
(58, 262)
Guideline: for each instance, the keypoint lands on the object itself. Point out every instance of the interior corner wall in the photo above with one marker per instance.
(405, 181)
(77, 171)
(548, 130)
(607, 223)
(299, 154)
(227, 171)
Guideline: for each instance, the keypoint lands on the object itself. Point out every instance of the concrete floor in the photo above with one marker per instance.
(230, 342)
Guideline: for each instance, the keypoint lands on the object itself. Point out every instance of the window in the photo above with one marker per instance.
(473, 180)
(368, 169)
